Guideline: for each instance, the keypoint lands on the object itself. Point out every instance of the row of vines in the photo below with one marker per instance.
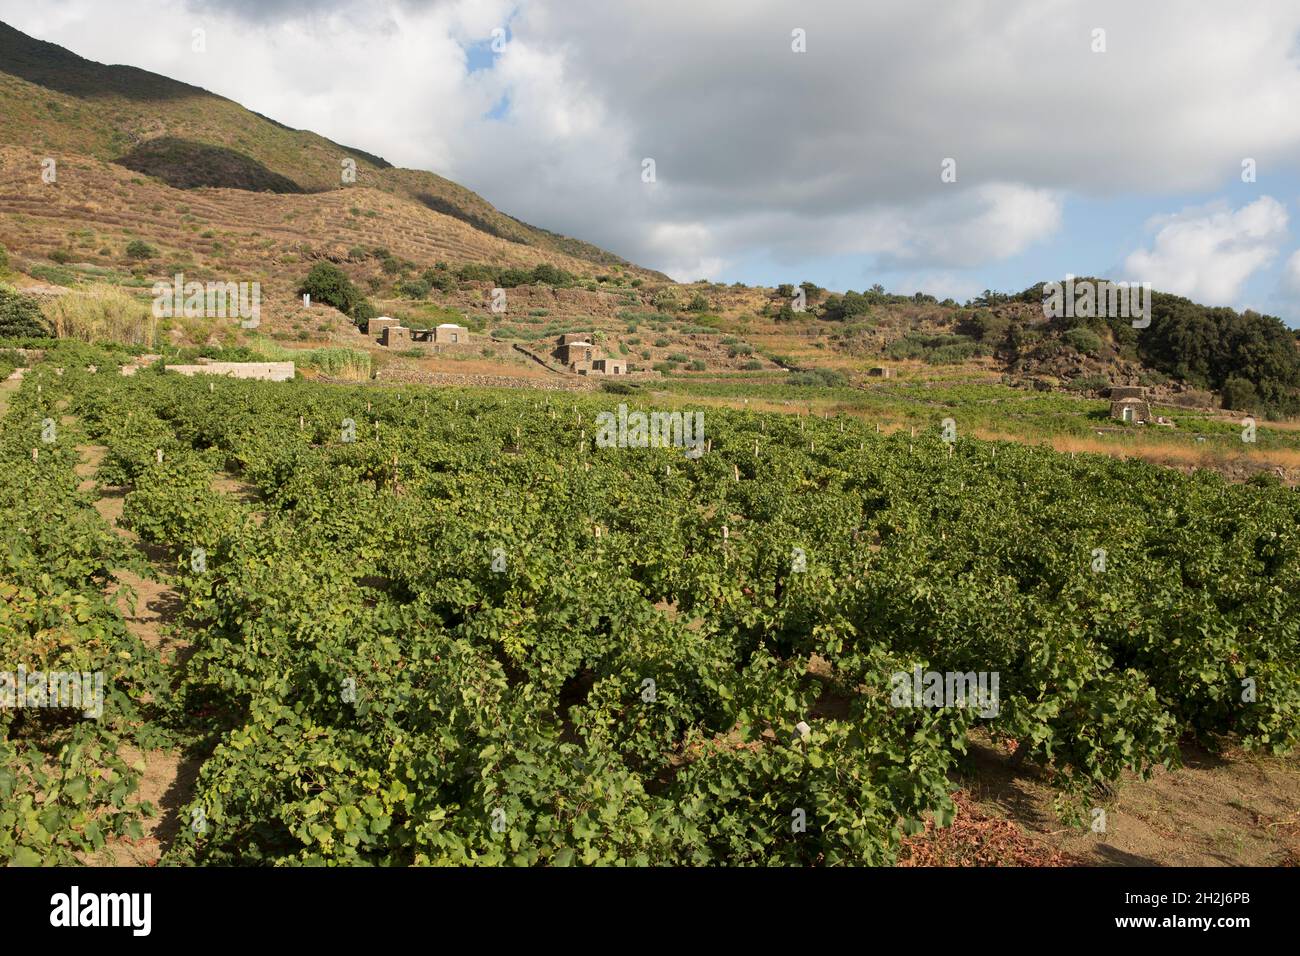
(454, 629)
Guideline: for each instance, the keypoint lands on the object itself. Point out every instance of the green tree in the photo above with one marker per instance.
(329, 284)
(20, 316)
(1239, 395)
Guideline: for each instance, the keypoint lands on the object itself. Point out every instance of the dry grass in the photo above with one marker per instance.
(1174, 454)
(101, 313)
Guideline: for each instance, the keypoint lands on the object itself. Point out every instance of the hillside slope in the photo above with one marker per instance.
(56, 103)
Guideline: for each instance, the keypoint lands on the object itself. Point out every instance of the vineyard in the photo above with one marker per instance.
(449, 627)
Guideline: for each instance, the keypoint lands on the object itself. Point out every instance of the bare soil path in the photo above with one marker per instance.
(1227, 809)
(169, 776)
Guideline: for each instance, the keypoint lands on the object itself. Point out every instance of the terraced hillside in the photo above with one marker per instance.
(54, 103)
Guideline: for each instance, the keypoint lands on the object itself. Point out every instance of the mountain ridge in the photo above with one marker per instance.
(54, 100)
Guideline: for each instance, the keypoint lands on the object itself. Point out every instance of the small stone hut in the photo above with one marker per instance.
(1129, 403)
(577, 355)
(376, 326)
(449, 333)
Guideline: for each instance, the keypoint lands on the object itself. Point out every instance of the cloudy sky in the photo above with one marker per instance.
(798, 140)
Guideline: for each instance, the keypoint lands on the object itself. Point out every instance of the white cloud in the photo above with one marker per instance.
(762, 152)
(1208, 253)
(1290, 281)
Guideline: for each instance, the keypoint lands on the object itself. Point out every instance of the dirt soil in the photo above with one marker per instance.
(168, 777)
(1228, 809)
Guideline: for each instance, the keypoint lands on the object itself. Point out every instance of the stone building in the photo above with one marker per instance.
(449, 333)
(1128, 403)
(577, 356)
(395, 335)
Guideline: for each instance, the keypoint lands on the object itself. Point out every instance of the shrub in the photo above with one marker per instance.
(661, 343)
(20, 316)
(1088, 383)
(440, 279)
(61, 256)
(140, 251)
(55, 275)
(513, 278)
(753, 365)
(618, 388)
(935, 349)
(1084, 340)
(665, 300)
(546, 274)
(363, 312)
(697, 365)
(413, 289)
(698, 303)
(473, 272)
(984, 326)
(4, 260)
